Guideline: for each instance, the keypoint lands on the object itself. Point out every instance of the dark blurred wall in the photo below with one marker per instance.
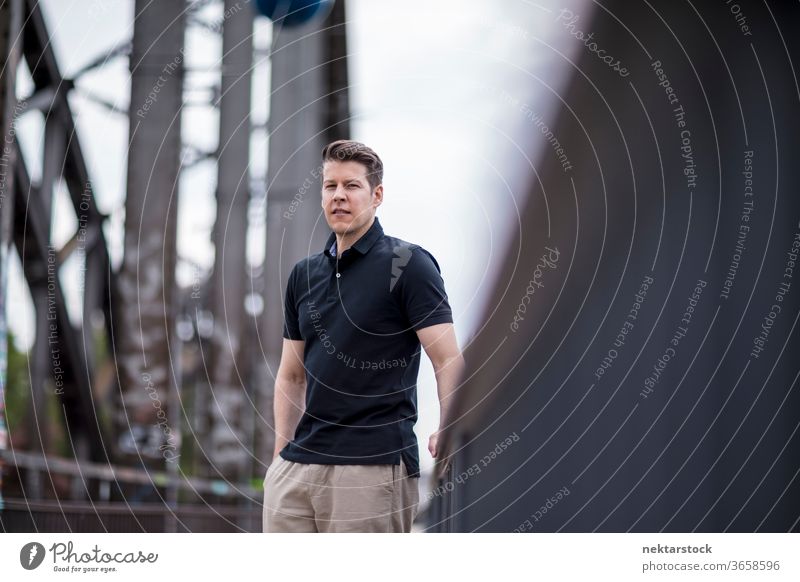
(638, 368)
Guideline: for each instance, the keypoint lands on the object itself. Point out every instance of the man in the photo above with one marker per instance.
(355, 316)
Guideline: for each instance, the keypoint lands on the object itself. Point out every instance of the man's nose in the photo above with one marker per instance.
(339, 194)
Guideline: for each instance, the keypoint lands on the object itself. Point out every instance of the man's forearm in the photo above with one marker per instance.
(288, 408)
(447, 378)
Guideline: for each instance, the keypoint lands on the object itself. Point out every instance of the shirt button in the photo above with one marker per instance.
(338, 275)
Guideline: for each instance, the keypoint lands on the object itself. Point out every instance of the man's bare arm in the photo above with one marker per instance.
(290, 392)
(439, 342)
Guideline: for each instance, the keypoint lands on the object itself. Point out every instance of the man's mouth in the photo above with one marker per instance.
(339, 211)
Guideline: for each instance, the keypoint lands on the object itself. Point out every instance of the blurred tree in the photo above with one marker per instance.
(18, 386)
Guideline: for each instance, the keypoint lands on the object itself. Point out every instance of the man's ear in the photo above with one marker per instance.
(378, 194)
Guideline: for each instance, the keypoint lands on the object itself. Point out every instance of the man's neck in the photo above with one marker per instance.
(348, 239)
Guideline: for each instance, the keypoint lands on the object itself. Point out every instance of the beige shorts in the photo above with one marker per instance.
(302, 497)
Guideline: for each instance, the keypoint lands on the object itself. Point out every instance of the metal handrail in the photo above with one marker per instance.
(85, 469)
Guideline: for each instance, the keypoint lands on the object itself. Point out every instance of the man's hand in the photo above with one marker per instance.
(438, 453)
(433, 444)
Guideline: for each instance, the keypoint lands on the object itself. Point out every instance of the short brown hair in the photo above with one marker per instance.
(345, 150)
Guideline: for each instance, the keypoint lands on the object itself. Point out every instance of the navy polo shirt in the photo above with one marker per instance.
(358, 312)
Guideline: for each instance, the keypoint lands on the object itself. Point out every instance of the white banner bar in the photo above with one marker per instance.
(400, 557)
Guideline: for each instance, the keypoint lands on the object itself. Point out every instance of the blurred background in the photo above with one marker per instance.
(609, 187)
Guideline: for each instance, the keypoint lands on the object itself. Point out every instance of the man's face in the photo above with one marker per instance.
(347, 199)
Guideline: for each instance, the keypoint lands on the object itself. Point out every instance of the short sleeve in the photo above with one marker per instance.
(291, 323)
(422, 292)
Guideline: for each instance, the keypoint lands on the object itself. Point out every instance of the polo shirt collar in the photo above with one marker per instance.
(362, 245)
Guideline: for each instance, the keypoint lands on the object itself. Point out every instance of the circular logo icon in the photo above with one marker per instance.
(31, 555)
